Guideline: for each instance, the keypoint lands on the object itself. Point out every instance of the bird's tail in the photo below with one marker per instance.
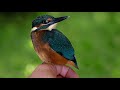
(77, 66)
(73, 64)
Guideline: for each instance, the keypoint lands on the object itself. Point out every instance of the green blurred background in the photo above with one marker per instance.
(95, 37)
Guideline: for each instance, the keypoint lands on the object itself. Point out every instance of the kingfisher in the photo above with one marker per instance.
(51, 45)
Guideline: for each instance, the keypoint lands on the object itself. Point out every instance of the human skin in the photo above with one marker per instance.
(53, 71)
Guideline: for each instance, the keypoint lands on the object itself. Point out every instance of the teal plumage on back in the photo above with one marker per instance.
(60, 43)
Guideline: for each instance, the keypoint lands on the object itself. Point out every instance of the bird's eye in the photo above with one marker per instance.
(45, 22)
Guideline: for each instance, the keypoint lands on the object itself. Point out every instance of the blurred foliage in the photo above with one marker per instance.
(95, 37)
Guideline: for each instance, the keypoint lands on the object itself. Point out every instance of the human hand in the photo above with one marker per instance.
(53, 71)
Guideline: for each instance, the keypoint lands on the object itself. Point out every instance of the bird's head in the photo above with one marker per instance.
(46, 22)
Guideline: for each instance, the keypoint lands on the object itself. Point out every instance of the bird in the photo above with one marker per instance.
(51, 45)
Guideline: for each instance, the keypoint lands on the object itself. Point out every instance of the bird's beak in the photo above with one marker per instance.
(59, 19)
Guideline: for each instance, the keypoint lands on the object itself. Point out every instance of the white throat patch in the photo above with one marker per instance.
(53, 26)
(33, 29)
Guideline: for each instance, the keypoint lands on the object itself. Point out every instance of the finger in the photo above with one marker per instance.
(71, 74)
(66, 71)
(59, 76)
(44, 71)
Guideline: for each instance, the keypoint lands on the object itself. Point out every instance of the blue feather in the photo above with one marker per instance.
(60, 43)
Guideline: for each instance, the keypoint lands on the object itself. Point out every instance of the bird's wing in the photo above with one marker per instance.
(60, 43)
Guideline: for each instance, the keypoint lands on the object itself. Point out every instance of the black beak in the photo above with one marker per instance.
(59, 19)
